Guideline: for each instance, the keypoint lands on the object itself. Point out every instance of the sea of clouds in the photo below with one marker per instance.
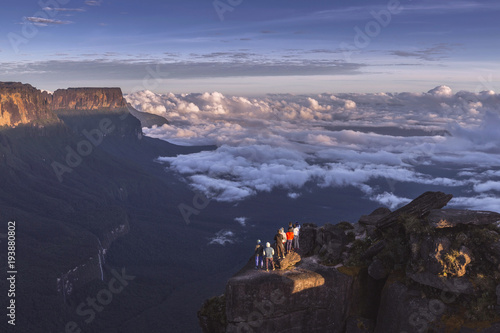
(378, 143)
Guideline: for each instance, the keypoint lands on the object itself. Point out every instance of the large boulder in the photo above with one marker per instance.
(374, 216)
(330, 233)
(419, 208)
(289, 261)
(450, 218)
(377, 270)
(374, 249)
(307, 238)
(453, 285)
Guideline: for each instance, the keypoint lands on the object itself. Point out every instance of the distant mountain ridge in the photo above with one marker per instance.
(88, 99)
(22, 104)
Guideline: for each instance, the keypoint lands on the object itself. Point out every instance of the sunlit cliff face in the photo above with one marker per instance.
(22, 104)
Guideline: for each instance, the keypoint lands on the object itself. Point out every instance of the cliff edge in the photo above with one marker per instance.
(72, 100)
(24, 104)
(420, 268)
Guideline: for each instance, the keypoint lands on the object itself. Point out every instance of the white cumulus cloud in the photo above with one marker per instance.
(378, 143)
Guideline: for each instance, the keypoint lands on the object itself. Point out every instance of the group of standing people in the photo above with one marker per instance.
(290, 239)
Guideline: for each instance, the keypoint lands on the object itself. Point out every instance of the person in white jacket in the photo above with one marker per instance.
(268, 254)
(296, 232)
(282, 231)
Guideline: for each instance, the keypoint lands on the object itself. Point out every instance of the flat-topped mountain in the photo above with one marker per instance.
(24, 104)
(88, 99)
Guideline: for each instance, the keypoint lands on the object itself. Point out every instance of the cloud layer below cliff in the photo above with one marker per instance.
(381, 144)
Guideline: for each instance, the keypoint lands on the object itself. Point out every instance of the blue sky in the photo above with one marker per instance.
(252, 47)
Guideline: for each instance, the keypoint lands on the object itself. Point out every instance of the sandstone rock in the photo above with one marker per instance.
(419, 207)
(331, 252)
(459, 285)
(374, 216)
(344, 225)
(494, 250)
(330, 233)
(359, 230)
(88, 99)
(319, 299)
(434, 261)
(290, 260)
(308, 238)
(404, 310)
(377, 270)
(494, 328)
(212, 315)
(498, 294)
(415, 245)
(450, 218)
(381, 211)
(374, 250)
(359, 325)
(312, 298)
(451, 262)
(24, 104)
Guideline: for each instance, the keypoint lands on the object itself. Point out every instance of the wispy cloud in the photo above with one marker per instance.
(236, 64)
(93, 2)
(56, 9)
(43, 22)
(222, 237)
(433, 53)
(447, 7)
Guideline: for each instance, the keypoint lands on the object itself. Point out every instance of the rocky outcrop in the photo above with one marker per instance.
(289, 261)
(24, 104)
(311, 298)
(76, 100)
(420, 207)
(418, 269)
(377, 215)
(450, 218)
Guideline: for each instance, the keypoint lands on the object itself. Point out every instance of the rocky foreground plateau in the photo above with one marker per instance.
(420, 268)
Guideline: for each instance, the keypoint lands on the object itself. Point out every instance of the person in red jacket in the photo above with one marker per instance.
(289, 239)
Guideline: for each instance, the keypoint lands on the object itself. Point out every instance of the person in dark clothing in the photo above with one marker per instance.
(280, 250)
(259, 255)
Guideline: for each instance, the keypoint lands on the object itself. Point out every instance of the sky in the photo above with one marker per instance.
(252, 47)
